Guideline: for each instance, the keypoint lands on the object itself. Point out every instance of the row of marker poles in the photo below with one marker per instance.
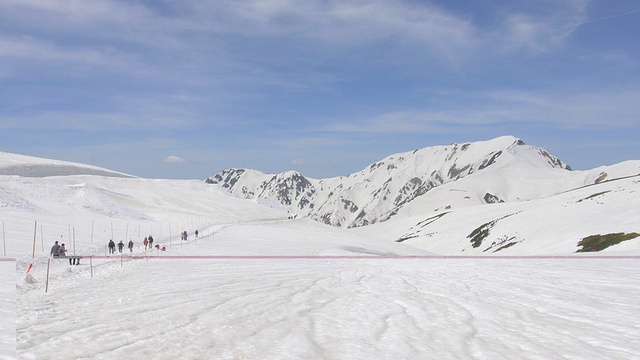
(46, 288)
(73, 236)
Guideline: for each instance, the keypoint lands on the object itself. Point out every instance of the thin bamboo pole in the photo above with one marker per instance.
(46, 289)
(35, 231)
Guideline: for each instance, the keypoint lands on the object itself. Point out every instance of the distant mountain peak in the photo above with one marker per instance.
(379, 191)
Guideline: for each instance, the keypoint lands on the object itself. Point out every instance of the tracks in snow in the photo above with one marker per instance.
(324, 309)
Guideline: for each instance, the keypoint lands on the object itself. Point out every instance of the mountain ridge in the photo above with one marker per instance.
(377, 192)
(520, 202)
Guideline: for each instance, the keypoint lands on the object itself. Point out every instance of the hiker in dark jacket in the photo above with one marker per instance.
(112, 247)
(120, 246)
(130, 245)
(55, 250)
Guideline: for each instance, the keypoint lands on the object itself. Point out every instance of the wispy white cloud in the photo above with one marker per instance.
(47, 57)
(184, 39)
(204, 27)
(544, 30)
(174, 160)
(590, 110)
(193, 41)
(91, 122)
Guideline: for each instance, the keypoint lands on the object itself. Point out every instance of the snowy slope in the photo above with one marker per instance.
(257, 309)
(28, 166)
(7, 309)
(390, 305)
(99, 208)
(551, 225)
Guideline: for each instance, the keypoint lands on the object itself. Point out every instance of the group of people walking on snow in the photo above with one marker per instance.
(112, 246)
(59, 251)
(148, 243)
(185, 235)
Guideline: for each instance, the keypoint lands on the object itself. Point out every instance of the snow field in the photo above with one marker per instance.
(329, 308)
(7, 309)
(337, 309)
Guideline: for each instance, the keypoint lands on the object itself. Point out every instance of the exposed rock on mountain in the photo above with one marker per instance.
(378, 192)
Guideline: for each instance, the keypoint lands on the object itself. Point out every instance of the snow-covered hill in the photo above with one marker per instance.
(88, 210)
(555, 224)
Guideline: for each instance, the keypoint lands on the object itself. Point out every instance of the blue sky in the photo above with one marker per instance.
(184, 89)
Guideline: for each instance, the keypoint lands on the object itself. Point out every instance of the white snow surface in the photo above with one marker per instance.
(7, 309)
(29, 166)
(282, 292)
(551, 225)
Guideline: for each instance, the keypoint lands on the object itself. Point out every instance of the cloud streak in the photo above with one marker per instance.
(174, 160)
(584, 110)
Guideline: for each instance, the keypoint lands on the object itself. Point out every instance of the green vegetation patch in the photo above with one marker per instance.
(599, 242)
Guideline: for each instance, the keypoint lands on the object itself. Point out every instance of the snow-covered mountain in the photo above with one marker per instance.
(517, 199)
(475, 198)
(504, 169)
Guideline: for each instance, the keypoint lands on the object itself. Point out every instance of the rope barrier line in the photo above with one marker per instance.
(362, 257)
